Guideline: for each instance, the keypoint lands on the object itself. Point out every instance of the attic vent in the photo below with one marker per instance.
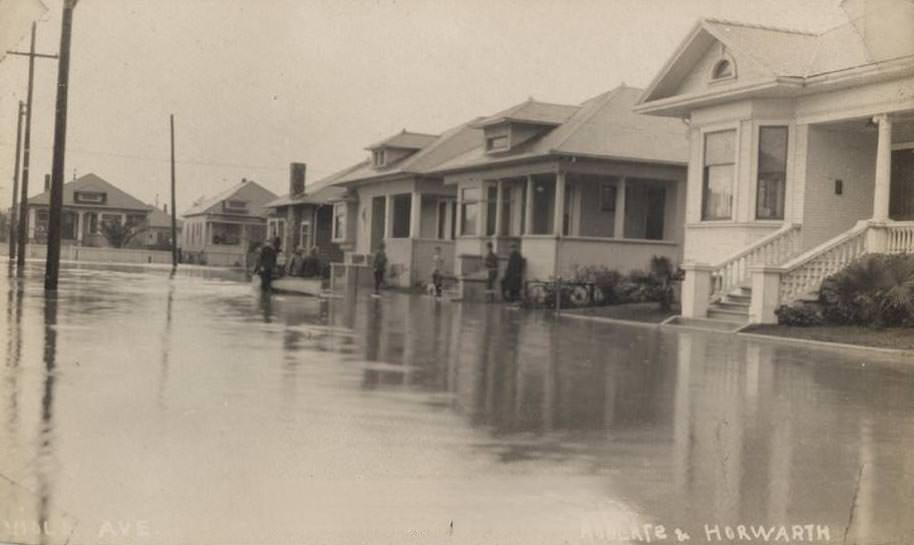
(235, 206)
(723, 69)
(89, 197)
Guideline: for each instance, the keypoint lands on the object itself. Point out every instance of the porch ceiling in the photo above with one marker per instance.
(902, 126)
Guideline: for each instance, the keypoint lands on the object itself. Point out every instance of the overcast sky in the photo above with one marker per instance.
(255, 84)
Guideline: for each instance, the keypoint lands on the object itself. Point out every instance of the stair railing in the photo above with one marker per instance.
(806, 272)
(773, 249)
(900, 237)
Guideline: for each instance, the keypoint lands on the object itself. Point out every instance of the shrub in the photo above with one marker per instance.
(875, 290)
(802, 315)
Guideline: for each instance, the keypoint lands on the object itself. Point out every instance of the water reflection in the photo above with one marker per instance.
(400, 412)
(46, 452)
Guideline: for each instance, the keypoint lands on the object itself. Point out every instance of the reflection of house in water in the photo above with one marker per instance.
(692, 426)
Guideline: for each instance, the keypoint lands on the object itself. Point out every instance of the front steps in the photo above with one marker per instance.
(734, 307)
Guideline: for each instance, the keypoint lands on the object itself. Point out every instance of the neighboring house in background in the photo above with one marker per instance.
(220, 230)
(801, 154)
(157, 231)
(391, 198)
(573, 185)
(304, 216)
(88, 203)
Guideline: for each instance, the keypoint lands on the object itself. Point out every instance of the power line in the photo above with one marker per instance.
(166, 160)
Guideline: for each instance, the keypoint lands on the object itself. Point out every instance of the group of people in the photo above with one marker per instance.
(269, 265)
(511, 281)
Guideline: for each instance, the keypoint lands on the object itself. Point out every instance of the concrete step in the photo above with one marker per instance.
(708, 324)
(739, 298)
(729, 304)
(727, 315)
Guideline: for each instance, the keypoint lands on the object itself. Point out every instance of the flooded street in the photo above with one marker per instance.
(143, 409)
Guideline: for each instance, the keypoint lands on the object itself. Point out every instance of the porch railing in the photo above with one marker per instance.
(806, 272)
(900, 238)
(773, 249)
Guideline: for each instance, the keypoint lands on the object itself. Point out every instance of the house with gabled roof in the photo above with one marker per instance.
(801, 153)
(88, 203)
(221, 230)
(303, 218)
(392, 198)
(572, 185)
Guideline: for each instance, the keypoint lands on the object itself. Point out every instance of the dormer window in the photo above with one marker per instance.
(498, 137)
(235, 207)
(497, 143)
(89, 197)
(378, 157)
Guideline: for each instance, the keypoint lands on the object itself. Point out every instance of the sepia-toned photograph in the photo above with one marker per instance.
(457, 272)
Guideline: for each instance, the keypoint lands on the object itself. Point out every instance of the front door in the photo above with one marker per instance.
(901, 206)
(378, 220)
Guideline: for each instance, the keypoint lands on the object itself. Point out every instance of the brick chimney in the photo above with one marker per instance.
(297, 178)
(47, 182)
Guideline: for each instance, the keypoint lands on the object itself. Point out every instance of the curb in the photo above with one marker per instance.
(617, 321)
(827, 344)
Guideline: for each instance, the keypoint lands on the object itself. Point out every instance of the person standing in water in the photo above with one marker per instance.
(491, 263)
(437, 266)
(513, 280)
(266, 265)
(380, 265)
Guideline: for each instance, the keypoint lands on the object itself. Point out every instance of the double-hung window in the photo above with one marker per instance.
(771, 184)
(719, 175)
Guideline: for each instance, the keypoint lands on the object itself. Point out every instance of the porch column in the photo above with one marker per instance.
(619, 226)
(33, 219)
(499, 199)
(883, 169)
(696, 290)
(388, 210)
(528, 207)
(80, 225)
(415, 215)
(123, 220)
(558, 218)
(766, 285)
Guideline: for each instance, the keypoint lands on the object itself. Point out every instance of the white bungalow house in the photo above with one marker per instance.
(573, 185)
(89, 203)
(391, 198)
(220, 230)
(801, 153)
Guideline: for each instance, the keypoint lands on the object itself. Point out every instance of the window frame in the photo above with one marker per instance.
(463, 203)
(734, 184)
(340, 214)
(756, 163)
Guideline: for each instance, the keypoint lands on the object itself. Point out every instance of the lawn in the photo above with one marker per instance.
(896, 337)
(635, 312)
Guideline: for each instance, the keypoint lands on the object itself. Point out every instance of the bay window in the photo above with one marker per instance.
(771, 183)
(719, 175)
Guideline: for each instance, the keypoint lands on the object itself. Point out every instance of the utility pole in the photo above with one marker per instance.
(52, 265)
(174, 217)
(26, 153)
(13, 211)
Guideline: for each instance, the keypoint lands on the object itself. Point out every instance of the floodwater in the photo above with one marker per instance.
(138, 408)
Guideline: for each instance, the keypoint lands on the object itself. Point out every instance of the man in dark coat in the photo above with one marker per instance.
(380, 266)
(514, 272)
(266, 265)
